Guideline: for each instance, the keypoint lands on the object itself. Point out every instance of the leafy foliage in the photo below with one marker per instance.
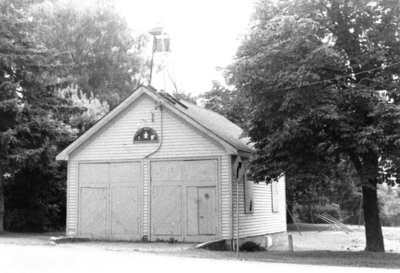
(37, 120)
(35, 184)
(322, 78)
(185, 96)
(94, 45)
(29, 132)
(92, 109)
(389, 202)
(228, 103)
(337, 193)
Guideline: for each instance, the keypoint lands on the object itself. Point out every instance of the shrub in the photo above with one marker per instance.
(390, 220)
(250, 246)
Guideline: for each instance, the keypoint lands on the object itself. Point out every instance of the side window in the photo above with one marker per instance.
(248, 196)
(275, 196)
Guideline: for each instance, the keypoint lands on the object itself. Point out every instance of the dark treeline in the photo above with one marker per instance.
(63, 65)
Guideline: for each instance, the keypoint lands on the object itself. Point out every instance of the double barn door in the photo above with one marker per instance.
(184, 200)
(110, 200)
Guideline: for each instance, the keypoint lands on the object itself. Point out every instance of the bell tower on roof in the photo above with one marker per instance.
(162, 73)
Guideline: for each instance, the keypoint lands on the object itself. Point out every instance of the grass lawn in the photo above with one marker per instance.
(316, 246)
(319, 237)
(329, 258)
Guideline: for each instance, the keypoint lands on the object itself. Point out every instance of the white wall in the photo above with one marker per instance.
(72, 198)
(114, 142)
(263, 220)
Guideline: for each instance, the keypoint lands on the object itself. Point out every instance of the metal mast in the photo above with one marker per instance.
(161, 65)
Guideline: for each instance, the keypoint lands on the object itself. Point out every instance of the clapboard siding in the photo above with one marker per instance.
(115, 140)
(146, 199)
(180, 139)
(226, 200)
(72, 199)
(262, 220)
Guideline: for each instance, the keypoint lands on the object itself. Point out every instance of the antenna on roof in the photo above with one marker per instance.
(161, 69)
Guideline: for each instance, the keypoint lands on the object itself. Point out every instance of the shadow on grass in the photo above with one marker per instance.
(307, 227)
(333, 258)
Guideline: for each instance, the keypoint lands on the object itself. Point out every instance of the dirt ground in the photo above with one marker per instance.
(316, 245)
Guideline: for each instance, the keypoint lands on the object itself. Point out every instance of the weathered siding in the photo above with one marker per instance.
(72, 199)
(115, 140)
(184, 199)
(182, 140)
(226, 200)
(114, 143)
(146, 199)
(263, 220)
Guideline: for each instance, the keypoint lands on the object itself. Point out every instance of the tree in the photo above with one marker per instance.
(95, 46)
(44, 49)
(27, 125)
(90, 109)
(228, 103)
(35, 185)
(335, 193)
(35, 190)
(181, 95)
(322, 78)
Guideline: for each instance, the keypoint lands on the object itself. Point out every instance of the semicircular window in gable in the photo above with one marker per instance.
(145, 134)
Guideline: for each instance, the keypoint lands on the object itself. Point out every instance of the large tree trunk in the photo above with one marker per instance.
(367, 169)
(1, 199)
(373, 229)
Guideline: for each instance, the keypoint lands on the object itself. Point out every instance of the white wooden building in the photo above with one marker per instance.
(159, 168)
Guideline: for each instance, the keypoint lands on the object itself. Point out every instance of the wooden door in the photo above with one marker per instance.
(166, 210)
(110, 200)
(207, 211)
(93, 182)
(124, 213)
(125, 200)
(192, 215)
(93, 213)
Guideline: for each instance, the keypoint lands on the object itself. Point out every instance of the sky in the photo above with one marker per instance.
(204, 35)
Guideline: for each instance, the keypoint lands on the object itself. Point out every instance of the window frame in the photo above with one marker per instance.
(143, 141)
(248, 186)
(275, 197)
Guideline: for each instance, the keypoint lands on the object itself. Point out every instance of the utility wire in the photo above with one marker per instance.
(338, 78)
(171, 79)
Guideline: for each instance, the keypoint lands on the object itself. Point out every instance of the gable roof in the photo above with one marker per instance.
(219, 125)
(214, 125)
